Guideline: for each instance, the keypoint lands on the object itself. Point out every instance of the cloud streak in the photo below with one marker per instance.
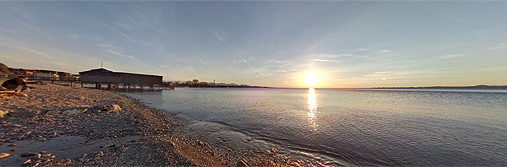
(450, 56)
(218, 37)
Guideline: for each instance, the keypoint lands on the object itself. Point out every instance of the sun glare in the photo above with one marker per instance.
(311, 80)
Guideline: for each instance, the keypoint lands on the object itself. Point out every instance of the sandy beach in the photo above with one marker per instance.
(63, 126)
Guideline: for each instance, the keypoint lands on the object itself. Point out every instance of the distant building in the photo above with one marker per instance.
(204, 84)
(45, 74)
(26, 72)
(75, 76)
(104, 76)
(23, 72)
(3, 75)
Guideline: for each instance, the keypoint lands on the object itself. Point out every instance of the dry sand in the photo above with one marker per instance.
(63, 126)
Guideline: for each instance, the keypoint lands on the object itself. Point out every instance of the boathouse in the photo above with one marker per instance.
(113, 79)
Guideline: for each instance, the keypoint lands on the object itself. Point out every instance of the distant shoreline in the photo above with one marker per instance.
(482, 87)
(449, 87)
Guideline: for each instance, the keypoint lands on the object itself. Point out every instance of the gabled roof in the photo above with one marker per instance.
(103, 71)
(99, 71)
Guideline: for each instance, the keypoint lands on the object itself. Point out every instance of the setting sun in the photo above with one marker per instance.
(311, 80)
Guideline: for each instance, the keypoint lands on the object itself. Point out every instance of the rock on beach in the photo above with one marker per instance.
(4, 155)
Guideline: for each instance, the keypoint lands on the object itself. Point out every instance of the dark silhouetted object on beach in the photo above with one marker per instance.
(17, 84)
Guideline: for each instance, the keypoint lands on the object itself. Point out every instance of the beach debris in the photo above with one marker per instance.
(111, 108)
(27, 154)
(67, 112)
(4, 155)
(83, 111)
(71, 112)
(294, 164)
(3, 113)
(11, 92)
(28, 161)
(7, 92)
(56, 112)
(242, 162)
(247, 140)
(22, 94)
(37, 159)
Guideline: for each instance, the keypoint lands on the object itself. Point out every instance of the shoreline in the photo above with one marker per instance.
(57, 125)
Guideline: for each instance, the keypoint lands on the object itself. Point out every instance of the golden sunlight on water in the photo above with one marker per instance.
(312, 108)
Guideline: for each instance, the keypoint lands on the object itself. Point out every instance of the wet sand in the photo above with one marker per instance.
(63, 126)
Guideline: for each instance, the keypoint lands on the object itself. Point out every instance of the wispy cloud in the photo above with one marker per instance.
(450, 56)
(327, 56)
(246, 62)
(116, 51)
(261, 74)
(399, 76)
(376, 50)
(324, 60)
(276, 62)
(122, 55)
(39, 53)
(218, 36)
(500, 46)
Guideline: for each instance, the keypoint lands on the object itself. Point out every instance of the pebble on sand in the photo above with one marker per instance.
(4, 155)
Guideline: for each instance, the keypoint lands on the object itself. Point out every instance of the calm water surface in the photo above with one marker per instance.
(347, 126)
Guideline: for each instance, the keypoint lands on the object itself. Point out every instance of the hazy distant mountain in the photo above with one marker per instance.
(450, 87)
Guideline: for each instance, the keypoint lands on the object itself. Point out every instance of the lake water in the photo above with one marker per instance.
(416, 127)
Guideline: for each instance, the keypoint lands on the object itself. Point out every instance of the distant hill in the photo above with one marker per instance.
(450, 87)
(5, 69)
(489, 87)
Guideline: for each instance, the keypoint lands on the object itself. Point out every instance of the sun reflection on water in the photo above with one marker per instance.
(312, 108)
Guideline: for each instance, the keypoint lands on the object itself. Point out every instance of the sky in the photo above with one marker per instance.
(344, 44)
